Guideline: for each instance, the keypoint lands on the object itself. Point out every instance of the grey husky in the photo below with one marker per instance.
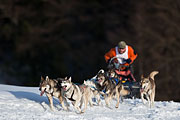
(77, 94)
(111, 88)
(147, 88)
(95, 87)
(52, 88)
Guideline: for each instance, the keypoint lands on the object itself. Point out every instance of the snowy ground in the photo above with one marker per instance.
(25, 103)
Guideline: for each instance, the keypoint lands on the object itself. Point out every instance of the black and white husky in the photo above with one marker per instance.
(110, 88)
(77, 94)
(95, 86)
(52, 88)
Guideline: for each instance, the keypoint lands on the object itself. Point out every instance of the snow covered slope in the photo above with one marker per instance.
(25, 103)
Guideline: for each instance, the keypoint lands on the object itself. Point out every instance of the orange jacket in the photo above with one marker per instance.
(130, 54)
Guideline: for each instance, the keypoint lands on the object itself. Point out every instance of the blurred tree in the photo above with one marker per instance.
(62, 38)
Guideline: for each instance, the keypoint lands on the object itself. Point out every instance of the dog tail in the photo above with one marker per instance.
(153, 74)
(101, 71)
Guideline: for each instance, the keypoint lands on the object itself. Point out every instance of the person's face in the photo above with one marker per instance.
(121, 51)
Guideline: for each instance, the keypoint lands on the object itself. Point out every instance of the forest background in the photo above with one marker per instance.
(62, 38)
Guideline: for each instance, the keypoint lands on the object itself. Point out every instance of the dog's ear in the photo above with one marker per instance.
(55, 80)
(69, 79)
(42, 79)
(65, 78)
(47, 78)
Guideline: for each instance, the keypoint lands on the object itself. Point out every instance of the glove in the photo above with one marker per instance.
(108, 61)
(128, 61)
(115, 61)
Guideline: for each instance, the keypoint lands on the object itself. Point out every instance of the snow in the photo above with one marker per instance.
(25, 103)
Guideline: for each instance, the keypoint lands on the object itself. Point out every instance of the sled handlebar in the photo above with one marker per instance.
(120, 65)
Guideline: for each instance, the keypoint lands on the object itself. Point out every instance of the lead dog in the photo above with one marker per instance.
(52, 88)
(77, 94)
(147, 88)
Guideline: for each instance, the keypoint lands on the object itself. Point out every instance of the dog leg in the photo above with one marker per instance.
(65, 100)
(107, 100)
(90, 100)
(142, 98)
(76, 104)
(117, 95)
(98, 99)
(61, 100)
(152, 99)
(77, 107)
(85, 98)
(50, 99)
(122, 100)
(148, 98)
(81, 102)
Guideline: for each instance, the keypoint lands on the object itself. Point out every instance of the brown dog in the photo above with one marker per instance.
(147, 88)
(52, 88)
(110, 87)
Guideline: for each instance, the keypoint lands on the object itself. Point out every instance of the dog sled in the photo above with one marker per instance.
(125, 76)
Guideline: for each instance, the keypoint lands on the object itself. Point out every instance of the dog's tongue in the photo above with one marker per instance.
(99, 80)
(42, 92)
(64, 88)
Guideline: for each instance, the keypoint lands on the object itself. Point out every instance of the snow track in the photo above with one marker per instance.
(25, 103)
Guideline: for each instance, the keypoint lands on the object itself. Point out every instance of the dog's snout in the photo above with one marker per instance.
(39, 89)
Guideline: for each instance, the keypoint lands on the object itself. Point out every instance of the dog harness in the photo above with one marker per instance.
(115, 80)
(71, 98)
(95, 81)
(82, 87)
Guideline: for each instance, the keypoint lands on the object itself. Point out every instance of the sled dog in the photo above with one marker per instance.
(52, 88)
(94, 89)
(147, 88)
(111, 87)
(77, 94)
(93, 84)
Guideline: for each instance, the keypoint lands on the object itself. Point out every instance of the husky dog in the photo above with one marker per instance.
(110, 88)
(147, 88)
(111, 73)
(52, 88)
(92, 83)
(78, 94)
(94, 88)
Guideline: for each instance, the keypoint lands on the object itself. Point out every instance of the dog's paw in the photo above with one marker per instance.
(101, 105)
(52, 109)
(68, 110)
(82, 112)
(108, 107)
